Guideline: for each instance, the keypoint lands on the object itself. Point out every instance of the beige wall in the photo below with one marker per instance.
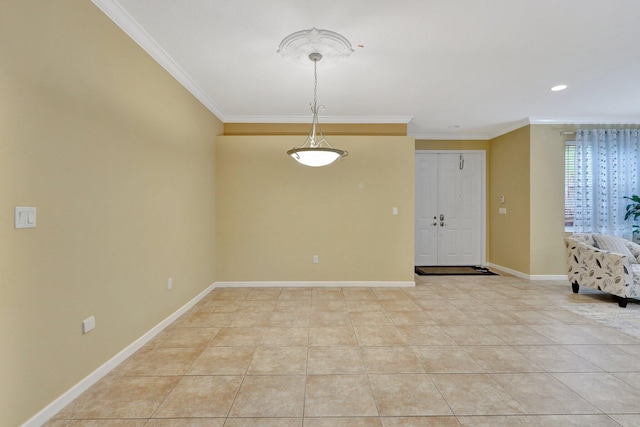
(548, 255)
(120, 161)
(118, 158)
(273, 215)
(509, 156)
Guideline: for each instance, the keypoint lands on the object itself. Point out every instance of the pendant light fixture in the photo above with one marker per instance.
(316, 45)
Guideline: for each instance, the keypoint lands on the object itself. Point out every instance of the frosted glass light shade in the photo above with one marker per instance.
(316, 156)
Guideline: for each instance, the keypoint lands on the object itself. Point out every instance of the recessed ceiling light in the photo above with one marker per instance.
(454, 127)
(558, 88)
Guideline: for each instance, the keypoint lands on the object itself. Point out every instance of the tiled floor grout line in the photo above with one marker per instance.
(304, 400)
(326, 300)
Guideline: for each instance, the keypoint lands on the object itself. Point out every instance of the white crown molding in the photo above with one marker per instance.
(130, 26)
(568, 120)
(323, 119)
(471, 136)
(585, 120)
(449, 136)
(513, 126)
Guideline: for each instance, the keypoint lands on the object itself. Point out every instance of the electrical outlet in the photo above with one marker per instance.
(170, 283)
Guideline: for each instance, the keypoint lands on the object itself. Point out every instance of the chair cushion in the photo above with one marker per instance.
(612, 244)
(586, 238)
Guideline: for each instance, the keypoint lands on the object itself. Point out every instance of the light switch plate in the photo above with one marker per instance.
(25, 217)
(88, 324)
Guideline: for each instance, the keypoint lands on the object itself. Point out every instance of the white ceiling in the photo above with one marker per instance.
(486, 66)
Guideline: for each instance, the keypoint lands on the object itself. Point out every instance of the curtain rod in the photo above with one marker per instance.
(573, 132)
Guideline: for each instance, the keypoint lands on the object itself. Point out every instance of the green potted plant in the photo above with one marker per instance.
(633, 210)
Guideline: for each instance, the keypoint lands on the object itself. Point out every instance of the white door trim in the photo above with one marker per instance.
(483, 195)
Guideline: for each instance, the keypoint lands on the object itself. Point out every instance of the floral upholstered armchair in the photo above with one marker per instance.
(606, 263)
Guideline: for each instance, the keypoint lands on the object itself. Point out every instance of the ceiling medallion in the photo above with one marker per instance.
(332, 46)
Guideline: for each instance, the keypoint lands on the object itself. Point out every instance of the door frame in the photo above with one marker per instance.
(483, 195)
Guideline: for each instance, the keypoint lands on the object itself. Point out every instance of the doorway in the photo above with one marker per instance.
(450, 190)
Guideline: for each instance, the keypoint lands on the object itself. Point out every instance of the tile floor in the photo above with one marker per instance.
(470, 351)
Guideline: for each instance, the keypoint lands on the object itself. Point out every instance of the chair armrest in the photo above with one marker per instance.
(599, 269)
(635, 250)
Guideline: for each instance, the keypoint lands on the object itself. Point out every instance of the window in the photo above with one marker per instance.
(569, 184)
(602, 166)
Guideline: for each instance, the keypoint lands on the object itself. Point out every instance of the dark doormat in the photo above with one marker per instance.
(454, 271)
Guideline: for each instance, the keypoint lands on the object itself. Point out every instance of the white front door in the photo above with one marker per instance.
(449, 209)
(426, 187)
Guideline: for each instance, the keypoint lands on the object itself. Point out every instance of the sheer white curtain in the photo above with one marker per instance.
(607, 169)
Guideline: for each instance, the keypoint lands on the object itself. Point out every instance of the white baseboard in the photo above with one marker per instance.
(57, 405)
(509, 271)
(529, 276)
(314, 284)
(550, 277)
